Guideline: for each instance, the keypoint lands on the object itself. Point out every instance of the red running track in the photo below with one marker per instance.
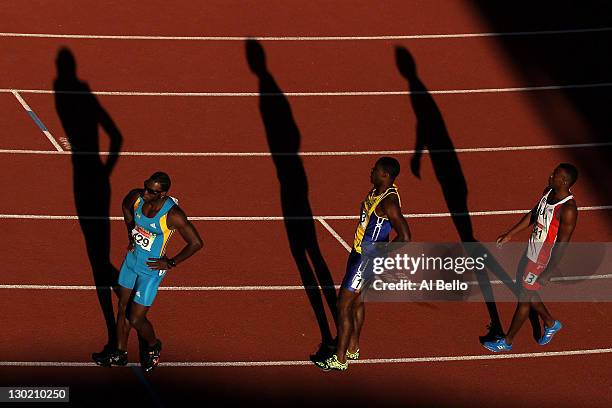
(60, 325)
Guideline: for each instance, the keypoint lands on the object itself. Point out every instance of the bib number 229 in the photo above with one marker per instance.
(142, 238)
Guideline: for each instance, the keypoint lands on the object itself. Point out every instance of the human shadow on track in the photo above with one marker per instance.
(283, 138)
(432, 136)
(81, 116)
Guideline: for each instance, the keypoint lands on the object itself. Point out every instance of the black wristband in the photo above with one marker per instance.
(171, 263)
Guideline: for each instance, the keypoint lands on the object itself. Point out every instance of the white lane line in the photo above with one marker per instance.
(320, 153)
(309, 38)
(260, 288)
(401, 360)
(38, 122)
(555, 279)
(271, 288)
(277, 218)
(334, 233)
(341, 93)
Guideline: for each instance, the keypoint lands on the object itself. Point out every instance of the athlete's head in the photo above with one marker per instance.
(156, 186)
(384, 171)
(564, 176)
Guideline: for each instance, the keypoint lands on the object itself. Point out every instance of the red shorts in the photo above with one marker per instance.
(530, 275)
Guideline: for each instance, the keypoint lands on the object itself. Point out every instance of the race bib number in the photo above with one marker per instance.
(538, 233)
(363, 218)
(357, 281)
(143, 238)
(531, 278)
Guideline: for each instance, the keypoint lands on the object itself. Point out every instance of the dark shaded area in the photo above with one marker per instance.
(81, 116)
(223, 387)
(573, 58)
(432, 136)
(283, 137)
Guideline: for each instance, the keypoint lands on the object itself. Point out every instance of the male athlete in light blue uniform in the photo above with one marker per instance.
(151, 217)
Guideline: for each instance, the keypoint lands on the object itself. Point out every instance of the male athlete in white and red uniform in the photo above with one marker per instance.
(553, 221)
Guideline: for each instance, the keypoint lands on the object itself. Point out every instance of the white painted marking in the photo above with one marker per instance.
(271, 288)
(556, 279)
(334, 233)
(319, 153)
(22, 101)
(255, 288)
(401, 360)
(30, 111)
(278, 218)
(309, 38)
(342, 93)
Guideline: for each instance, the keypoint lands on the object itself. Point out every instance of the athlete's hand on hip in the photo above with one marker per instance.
(130, 246)
(158, 264)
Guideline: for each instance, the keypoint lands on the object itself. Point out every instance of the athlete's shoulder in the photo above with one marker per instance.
(176, 216)
(132, 196)
(568, 213)
(570, 205)
(391, 200)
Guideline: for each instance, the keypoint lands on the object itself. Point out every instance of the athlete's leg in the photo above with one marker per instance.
(346, 303)
(520, 315)
(540, 308)
(127, 282)
(146, 288)
(123, 325)
(138, 320)
(358, 319)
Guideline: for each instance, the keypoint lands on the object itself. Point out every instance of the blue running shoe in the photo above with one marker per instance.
(497, 346)
(549, 332)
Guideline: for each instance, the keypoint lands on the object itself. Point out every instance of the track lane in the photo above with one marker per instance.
(440, 385)
(218, 17)
(303, 67)
(188, 124)
(215, 331)
(243, 262)
(333, 183)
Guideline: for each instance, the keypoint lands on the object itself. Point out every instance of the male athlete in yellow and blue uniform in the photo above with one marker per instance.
(380, 213)
(372, 228)
(151, 217)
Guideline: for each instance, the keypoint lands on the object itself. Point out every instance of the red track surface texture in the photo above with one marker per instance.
(266, 326)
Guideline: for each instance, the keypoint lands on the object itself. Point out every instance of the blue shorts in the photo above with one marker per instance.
(133, 276)
(357, 271)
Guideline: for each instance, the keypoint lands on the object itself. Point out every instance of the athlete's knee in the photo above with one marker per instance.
(344, 303)
(524, 305)
(137, 321)
(122, 306)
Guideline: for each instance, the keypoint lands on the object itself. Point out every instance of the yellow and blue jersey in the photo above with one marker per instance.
(371, 227)
(151, 235)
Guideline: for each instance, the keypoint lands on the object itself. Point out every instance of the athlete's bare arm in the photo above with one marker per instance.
(177, 220)
(127, 206)
(567, 222)
(391, 207)
(525, 222)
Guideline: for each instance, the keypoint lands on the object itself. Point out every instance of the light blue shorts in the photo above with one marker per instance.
(133, 276)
